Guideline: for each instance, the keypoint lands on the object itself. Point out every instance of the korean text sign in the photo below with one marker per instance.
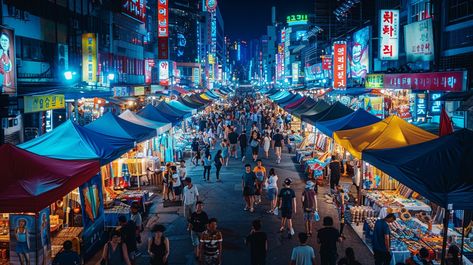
(419, 41)
(89, 57)
(164, 73)
(389, 34)
(436, 81)
(340, 65)
(163, 18)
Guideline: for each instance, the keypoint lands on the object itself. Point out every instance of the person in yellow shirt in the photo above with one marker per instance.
(260, 172)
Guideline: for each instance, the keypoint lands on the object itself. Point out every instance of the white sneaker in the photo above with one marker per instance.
(292, 232)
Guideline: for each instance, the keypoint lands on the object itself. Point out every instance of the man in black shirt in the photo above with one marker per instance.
(278, 139)
(335, 171)
(287, 205)
(243, 143)
(127, 230)
(197, 224)
(328, 238)
(233, 139)
(67, 256)
(258, 242)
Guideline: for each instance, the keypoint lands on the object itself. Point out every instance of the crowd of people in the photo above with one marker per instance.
(223, 131)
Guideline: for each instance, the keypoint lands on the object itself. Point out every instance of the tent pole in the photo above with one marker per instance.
(445, 234)
(360, 183)
(463, 237)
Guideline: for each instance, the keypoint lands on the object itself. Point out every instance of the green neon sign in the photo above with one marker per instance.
(299, 19)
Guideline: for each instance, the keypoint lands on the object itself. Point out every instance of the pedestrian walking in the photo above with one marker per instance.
(278, 139)
(243, 143)
(225, 148)
(349, 258)
(158, 246)
(176, 184)
(327, 237)
(197, 224)
(260, 172)
(287, 206)
(341, 198)
(233, 139)
(211, 244)
(248, 186)
(191, 196)
(127, 231)
(335, 170)
(272, 192)
(218, 161)
(182, 170)
(266, 145)
(207, 166)
(309, 206)
(303, 254)
(135, 216)
(115, 251)
(258, 242)
(254, 143)
(67, 256)
(382, 240)
(195, 152)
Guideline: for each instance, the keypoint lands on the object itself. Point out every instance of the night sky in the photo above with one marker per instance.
(247, 19)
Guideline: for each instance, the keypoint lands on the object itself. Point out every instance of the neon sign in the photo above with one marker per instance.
(297, 19)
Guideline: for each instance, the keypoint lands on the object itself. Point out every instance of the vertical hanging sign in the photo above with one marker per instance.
(163, 29)
(340, 65)
(89, 57)
(389, 34)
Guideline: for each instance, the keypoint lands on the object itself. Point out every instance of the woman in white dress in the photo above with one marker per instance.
(266, 144)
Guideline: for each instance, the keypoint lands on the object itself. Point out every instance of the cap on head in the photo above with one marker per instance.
(288, 181)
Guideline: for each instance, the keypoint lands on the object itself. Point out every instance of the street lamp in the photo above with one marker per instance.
(111, 76)
(68, 75)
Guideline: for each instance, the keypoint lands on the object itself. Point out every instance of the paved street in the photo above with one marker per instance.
(224, 201)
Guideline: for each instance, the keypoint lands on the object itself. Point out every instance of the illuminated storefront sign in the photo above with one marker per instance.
(149, 65)
(43, 103)
(163, 18)
(389, 34)
(295, 73)
(89, 57)
(419, 41)
(339, 65)
(135, 9)
(326, 62)
(421, 107)
(211, 5)
(435, 105)
(164, 73)
(437, 81)
(196, 76)
(374, 81)
(297, 19)
(138, 91)
(359, 55)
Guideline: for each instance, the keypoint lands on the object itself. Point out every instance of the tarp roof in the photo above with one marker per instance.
(439, 170)
(151, 113)
(111, 124)
(392, 132)
(272, 91)
(158, 126)
(303, 107)
(31, 182)
(295, 104)
(181, 106)
(211, 94)
(356, 119)
(172, 112)
(279, 95)
(295, 98)
(199, 99)
(337, 110)
(190, 103)
(70, 141)
(320, 106)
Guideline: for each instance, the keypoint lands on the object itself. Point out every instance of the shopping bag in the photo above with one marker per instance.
(316, 216)
(276, 211)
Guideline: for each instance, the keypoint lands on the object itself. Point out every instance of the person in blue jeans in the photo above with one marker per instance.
(207, 166)
(382, 240)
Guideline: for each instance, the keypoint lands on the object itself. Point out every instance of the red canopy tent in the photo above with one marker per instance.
(31, 182)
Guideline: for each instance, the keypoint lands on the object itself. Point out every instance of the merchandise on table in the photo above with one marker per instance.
(112, 214)
(360, 213)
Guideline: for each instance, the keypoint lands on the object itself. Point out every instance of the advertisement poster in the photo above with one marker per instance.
(89, 57)
(149, 65)
(8, 66)
(164, 73)
(389, 34)
(359, 54)
(43, 103)
(375, 106)
(374, 81)
(339, 65)
(454, 81)
(23, 239)
(419, 41)
(44, 242)
(196, 75)
(327, 62)
(295, 73)
(135, 9)
(163, 19)
(91, 198)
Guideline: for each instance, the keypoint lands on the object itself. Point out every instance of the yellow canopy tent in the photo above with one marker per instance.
(392, 132)
(204, 96)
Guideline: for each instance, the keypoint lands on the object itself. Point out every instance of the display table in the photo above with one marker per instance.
(382, 200)
(131, 196)
(67, 233)
(112, 214)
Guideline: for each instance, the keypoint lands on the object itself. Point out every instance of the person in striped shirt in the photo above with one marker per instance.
(211, 244)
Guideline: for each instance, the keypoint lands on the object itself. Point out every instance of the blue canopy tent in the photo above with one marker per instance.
(439, 170)
(272, 92)
(191, 104)
(134, 118)
(111, 124)
(295, 98)
(320, 106)
(151, 113)
(350, 91)
(70, 141)
(286, 98)
(337, 110)
(169, 111)
(356, 119)
(181, 106)
(211, 94)
(279, 95)
(303, 107)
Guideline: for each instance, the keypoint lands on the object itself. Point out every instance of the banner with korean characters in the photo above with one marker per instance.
(340, 65)
(389, 34)
(43, 103)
